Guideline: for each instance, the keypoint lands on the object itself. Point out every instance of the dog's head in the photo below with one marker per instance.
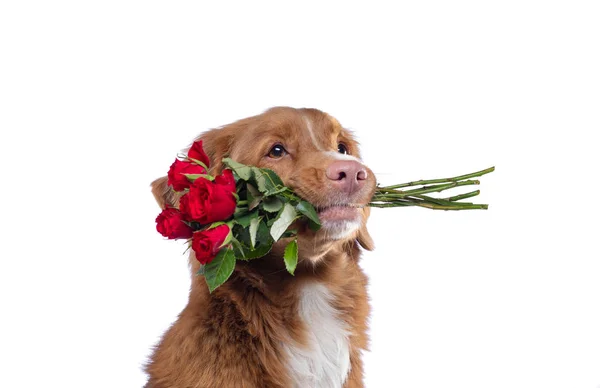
(313, 154)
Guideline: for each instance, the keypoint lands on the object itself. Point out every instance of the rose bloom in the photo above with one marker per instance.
(170, 224)
(209, 201)
(226, 180)
(197, 152)
(176, 177)
(207, 243)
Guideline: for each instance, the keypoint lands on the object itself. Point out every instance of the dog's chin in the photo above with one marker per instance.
(339, 222)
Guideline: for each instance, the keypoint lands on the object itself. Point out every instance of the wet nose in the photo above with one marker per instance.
(348, 175)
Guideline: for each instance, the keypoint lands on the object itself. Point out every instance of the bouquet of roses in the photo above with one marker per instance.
(241, 213)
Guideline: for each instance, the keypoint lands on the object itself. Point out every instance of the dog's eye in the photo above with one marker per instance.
(342, 149)
(277, 151)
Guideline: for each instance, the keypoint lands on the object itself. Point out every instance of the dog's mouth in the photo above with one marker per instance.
(339, 212)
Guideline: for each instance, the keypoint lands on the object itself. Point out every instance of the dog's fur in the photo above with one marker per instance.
(263, 327)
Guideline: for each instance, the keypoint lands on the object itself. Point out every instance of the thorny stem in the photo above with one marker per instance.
(390, 196)
(442, 180)
(463, 196)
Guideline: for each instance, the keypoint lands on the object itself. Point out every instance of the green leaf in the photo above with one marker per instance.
(263, 237)
(240, 212)
(193, 177)
(244, 251)
(314, 227)
(246, 218)
(253, 196)
(290, 256)
(219, 269)
(252, 190)
(243, 171)
(248, 253)
(198, 162)
(237, 245)
(200, 270)
(284, 220)
(290, 233)
(272, 204)
(268, 182)
(228, 238)
(253, 229)
(309, 211)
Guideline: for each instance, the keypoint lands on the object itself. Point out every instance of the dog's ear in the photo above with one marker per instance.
(363, 237)
(164, 194)
(217, 144)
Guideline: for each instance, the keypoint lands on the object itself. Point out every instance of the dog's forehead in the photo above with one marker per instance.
(306, 126)
(321, 130)
(314, 129)
(303, 130)
(324, 133)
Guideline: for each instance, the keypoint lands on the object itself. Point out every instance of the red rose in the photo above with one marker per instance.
(206, 244)
(197, 152)
(176, 177)
(226, 179)
(170, 224)
(208, 202)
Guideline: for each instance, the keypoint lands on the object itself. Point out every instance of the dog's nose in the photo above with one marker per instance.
(348, 175)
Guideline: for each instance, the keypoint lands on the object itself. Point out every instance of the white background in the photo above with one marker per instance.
(96, 99)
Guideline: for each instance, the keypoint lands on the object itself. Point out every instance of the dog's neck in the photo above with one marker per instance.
(268, 274)
(306, 317)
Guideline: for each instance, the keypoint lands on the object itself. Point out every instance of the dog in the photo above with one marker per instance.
(265, 328)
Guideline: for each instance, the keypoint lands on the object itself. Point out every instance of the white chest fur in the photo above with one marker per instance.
(325, 362)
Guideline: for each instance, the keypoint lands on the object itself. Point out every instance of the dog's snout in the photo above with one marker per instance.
(347, 175)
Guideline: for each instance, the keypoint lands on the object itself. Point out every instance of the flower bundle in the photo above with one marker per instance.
(240, 213)
(237, 215)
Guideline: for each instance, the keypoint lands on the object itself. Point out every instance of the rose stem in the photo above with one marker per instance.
(442, 180)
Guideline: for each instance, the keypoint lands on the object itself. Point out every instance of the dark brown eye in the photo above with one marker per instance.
(342, 149)
(277, 151)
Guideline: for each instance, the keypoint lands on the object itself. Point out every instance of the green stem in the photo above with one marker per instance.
(442, 180)
(434, 188)
(392, 204)
(453, 207)
(388, 194)
(439, 201)
(429, 205)
(463, 196)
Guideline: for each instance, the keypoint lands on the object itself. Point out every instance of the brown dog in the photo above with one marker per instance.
(264, 327)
